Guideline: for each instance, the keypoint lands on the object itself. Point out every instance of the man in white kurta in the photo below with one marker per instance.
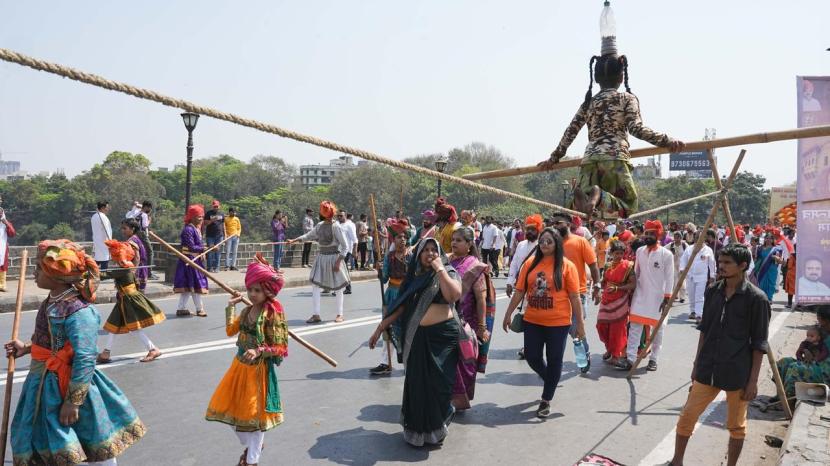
(700, 275)
(101, 231)
(654, 268)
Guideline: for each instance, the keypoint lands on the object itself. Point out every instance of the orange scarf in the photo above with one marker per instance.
(60, 363)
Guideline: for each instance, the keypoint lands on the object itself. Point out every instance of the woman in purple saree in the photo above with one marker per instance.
(476, 307)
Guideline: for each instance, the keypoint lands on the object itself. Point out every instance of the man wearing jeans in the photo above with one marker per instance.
(214, 234)
(489, 254)
(308, 225)
(730, 350)
(233, 227)
(579, 251)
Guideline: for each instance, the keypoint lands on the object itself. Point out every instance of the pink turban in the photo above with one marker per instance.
(259, 272)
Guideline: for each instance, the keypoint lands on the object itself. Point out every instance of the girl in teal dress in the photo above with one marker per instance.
(68, 412)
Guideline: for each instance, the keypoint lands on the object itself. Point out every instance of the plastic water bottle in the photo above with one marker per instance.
(579, 351)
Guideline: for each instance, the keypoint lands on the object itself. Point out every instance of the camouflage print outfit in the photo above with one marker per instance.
(610, 116)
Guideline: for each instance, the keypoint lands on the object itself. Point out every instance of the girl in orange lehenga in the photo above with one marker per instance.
(789, 279)
(248, 396)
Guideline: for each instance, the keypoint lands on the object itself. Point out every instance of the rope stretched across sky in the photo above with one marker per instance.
(147, 94)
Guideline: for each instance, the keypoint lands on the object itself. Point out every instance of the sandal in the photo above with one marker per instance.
(606, 356)
(183, 313)
(103, 357)
(339, 319)
(201, 313)
(315, 319)
(151, 355)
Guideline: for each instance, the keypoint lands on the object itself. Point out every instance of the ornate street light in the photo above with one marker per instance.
(565, 186)
(190, 120)
(440, 166)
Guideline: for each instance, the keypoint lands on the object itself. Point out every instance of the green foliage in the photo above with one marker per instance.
(55, 206)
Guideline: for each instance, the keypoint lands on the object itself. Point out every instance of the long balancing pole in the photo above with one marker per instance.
(757, 138)
(697, 247)
(213, 248)
(245, 300)
(7, 401)
(377, 258)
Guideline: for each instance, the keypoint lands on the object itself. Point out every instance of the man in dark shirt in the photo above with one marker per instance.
(733, 340)
(214, 234)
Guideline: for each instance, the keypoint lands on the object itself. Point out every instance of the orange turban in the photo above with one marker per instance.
(625, 236)
(121, 252)
(193, 211)
(655, 225)
(535, 221)
(328, 209)
(67, 262)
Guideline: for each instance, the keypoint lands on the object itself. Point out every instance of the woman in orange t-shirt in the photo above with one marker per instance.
(551, 283)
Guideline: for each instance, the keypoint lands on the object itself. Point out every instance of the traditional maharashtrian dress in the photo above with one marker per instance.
(765, 274)
(612, 317)
(64, 348)
(332, 244)
(475, 279)
(430, 355)
(132, 310)
(393, 274)
(793, 370)
(248, 397)
(188, 279)
(142, 274)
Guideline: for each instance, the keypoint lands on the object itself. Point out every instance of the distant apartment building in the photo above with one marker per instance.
(323, 175)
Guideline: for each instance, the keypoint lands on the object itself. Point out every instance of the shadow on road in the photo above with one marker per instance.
(492, 415)
(365, 447)
(390, 414)
(360, 373)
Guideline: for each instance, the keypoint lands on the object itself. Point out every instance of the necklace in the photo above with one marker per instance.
(60, 296)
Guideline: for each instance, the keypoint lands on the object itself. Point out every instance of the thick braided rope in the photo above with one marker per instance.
(99, 81)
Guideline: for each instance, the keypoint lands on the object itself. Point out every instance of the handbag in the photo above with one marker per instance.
(467, 341)
(518, 323)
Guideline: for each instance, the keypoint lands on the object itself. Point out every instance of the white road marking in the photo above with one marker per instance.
(664, 451)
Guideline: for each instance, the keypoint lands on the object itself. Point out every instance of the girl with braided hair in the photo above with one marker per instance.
(605, 172)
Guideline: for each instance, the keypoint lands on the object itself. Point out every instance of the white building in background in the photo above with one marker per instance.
(323, 175)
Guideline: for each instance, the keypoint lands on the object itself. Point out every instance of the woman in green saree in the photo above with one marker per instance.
(430, 336)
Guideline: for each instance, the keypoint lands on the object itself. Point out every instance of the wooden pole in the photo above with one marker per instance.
(758, 138)
(776, 375)
(377, 257)
(211, 249)
(401, 198)
(233, 292)
(674, 204)
(697, 247)
(7, 401)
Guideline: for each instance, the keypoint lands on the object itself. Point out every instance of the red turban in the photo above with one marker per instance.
(535, 221)
(655, 225)
(444, 211)
(328, 209)
(121, 252)
(576, 222)
(260, 272)
(625, 236)
(398, 227)
(193, 211)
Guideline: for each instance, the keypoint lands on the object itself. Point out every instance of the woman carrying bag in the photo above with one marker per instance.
(551, 284)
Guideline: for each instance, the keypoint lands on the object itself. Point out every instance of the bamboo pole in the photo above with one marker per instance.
(674, 204)
(211, 249)
(727, 212)
(7, 401)
(377, 258)
(697, 247)
(233, 292)
(776, 375)
(757, 138)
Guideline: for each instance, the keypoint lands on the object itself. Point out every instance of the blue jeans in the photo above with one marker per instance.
(551, 341)
(213, 257)
(233, 245)
(278, 255)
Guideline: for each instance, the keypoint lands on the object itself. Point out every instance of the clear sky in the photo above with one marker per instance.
(397, 78)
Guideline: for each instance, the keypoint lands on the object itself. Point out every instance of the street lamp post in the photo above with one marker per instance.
(190, 120)
(667, 212)
(565, 185)
(440, 166)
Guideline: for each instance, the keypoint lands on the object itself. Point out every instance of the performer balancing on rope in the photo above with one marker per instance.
(132, 312)
(605, 172)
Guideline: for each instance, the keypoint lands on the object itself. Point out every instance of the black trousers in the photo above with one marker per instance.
(361, 251)
(544, 351)
(306, 253)
(491, 256)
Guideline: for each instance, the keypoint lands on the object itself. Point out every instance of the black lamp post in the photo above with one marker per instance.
(440, 166)
(667, 213)
(565, 185)
(190, 120)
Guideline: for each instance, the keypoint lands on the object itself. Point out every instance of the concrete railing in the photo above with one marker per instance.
(292, 256)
